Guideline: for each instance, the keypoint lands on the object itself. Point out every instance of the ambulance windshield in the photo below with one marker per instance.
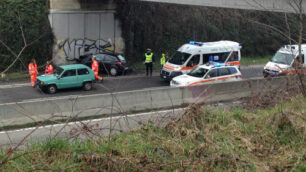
(198, 72)
(179, 58)
(282, 58)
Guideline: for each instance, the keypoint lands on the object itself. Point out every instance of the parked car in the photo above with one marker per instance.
(207, 74)
(66, 76)
(109, 63)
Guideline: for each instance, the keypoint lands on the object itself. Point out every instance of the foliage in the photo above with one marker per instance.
(210, 140)
(33, 16)
(165, 27)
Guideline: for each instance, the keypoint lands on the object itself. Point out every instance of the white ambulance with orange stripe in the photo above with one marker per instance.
(282, 63)
(207, 74)
(191, 55)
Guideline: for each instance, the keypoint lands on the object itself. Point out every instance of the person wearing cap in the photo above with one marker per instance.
(163, 59)
(149, 59)
(95, 68)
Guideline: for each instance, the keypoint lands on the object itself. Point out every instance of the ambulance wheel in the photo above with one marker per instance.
(113, 71)
(51, 89)
(87, 86)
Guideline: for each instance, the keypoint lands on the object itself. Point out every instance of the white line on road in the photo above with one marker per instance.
(88, 121)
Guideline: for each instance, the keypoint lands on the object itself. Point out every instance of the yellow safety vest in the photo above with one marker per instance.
(149, 57)
(163, 59)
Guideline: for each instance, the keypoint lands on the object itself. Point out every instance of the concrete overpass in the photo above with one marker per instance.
(264, 5)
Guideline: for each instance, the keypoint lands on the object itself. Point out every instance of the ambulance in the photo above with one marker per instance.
(191, 55)
(282, 62)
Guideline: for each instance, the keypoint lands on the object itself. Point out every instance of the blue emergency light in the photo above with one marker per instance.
(217, 64)
(195, 43)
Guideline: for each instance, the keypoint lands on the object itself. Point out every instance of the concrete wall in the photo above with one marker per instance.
(165, 97)
(80, 29)
(265, 5)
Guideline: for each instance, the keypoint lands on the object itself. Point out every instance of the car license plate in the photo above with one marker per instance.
(126, 68)
(165, 77)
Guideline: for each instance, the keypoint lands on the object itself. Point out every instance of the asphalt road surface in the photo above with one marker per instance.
(24, 92)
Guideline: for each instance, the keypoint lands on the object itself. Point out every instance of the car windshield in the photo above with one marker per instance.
(122, 59)
(58, 70)
(282, 58)
(179, 58)
(198, 72)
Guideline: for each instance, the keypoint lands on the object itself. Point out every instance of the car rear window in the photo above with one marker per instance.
(233, 70)
(83, 72)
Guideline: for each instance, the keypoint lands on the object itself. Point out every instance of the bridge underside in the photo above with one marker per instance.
(289, 6)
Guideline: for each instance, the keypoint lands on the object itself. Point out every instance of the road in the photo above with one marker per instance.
(24, 92)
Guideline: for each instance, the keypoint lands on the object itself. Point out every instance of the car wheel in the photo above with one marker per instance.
(87, 86)
(51, 89)
(113, 71)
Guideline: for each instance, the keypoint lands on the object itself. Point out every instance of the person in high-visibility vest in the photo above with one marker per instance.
(95, 68)
(163, 59)
(49, 68)
(149, 59)
(33, 71)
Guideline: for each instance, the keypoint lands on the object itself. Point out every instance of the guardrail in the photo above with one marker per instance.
(131, 101)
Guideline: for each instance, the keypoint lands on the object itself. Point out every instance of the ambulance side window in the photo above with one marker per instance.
(211, 74)
(234, 57)
(194, 60)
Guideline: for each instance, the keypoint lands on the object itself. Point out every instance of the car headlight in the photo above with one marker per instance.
(177, 68)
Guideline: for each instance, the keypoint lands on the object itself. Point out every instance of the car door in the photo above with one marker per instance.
(224, 75)
(68, 79)
(192, 63)
(83, 75)
(211, 76)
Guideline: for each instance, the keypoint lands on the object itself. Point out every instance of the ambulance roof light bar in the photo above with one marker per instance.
(195, 43)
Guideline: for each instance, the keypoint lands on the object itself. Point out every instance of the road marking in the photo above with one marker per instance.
(14, 85)
(91, 121)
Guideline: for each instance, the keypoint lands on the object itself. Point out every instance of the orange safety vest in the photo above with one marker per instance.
(32, 69)
(95, 66)
(49, 69)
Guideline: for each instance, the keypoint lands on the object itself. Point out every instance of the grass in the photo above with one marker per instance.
(255, 60)
(202, 140)
(14, 76)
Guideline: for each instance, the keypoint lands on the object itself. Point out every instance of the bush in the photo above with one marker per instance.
(33, 15)
(165, 27)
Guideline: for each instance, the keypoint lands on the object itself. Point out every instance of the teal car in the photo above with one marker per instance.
(67, 76)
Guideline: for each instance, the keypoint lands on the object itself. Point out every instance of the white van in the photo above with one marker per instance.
(282, 62)
(193, 54)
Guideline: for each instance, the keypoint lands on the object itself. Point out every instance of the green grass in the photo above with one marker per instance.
(255, 60)
(210, 140)
(13, 76)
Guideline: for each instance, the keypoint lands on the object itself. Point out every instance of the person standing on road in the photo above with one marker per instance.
(95, 68)
(49, 68)
(163, 59)
(149, 60)
(33, 71)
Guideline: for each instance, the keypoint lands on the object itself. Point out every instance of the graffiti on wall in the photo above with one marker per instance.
(66, 51)
(79, 47)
